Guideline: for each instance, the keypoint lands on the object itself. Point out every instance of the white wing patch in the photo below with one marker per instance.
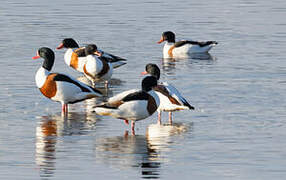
(121, 95)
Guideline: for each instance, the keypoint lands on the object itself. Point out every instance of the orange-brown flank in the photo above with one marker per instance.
(170, 52)
(74, 61)
(49, 89)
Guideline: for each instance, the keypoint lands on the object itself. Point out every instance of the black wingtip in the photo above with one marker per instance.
(192, 107)
(189, 106)
(211, 42)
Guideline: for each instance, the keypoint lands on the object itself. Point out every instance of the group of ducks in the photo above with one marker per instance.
(97, 65)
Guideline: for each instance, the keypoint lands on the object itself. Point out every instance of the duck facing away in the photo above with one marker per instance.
(132, 105)
(170, 98)
(75, 56)
(60, 87)
(96, 69)
(173, 49)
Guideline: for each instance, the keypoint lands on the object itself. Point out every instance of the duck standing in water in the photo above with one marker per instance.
(96, 69)
(60, 87)
(173, 49)
(170, 98)
(75, 56)
(132, 105)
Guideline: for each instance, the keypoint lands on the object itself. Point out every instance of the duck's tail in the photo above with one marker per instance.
(105, 110)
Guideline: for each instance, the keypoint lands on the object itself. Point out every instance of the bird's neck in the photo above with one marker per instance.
(41, 76)
(48, 64)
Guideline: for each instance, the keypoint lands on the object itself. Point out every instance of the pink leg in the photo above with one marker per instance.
(64, 109)
(170, 118)
(126, 122)
(133, 128)
(159, 118)
(126, 134)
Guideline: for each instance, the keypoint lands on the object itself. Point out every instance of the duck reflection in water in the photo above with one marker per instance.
(129, 151)
(46, 140)
(169, 64)
(49, 129)
(160, 137)
(202, 56)
(144, 152)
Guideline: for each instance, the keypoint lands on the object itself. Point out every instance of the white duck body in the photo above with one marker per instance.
(166, 104)
(183, 48)
(183, 51)
(65, 92)
(170, 97)
(134, 106)
(112, 101)
(72, 59)
(96, 69)
(133, 110)
(174, 93)
(75, 56)
(137, 110)
(177, 52)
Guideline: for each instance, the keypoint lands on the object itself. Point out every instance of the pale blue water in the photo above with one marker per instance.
(237, 131)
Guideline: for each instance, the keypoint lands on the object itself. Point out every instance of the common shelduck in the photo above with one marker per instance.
(132, 105)
(60, 87)
(170, 98)
(96, 69)
(75, 56)
(173, 49)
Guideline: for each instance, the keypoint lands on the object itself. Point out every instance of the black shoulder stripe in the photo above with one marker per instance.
(181, 43)
(201, 44)
(141, 95)
(62, 77)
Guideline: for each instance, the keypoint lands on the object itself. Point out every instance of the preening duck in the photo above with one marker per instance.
(76, 58)
(132, 105)
(170, 98)
(173, 49)
(60, 87)
(96, 69)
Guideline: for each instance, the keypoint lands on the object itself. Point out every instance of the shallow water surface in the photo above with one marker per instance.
(236, 132)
